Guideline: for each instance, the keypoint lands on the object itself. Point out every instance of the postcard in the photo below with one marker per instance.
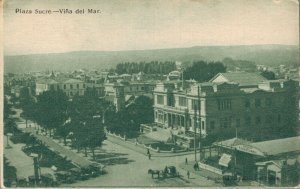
(140, 93)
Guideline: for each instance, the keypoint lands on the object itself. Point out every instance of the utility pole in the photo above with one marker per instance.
(182, 78)
(195, 126)
(200, 126)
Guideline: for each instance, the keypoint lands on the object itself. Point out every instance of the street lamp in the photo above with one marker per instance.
(7, 143)
(35, 166)
(103, 116)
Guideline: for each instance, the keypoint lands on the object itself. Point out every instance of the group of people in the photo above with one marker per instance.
(196, 167)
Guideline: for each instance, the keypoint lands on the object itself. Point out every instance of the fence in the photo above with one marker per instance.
(143, 145)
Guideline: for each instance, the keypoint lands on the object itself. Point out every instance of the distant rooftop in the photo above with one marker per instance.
(46, 81)
(279, 146)
(242, 78)
(269, 147)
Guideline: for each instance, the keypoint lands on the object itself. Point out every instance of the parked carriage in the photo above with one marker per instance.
(64, 177)
(170, 171)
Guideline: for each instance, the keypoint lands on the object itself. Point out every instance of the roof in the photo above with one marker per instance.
(46, 81)
(279, 146)
(231, 142)
(72, 81)
(242, 78)
(251, 90)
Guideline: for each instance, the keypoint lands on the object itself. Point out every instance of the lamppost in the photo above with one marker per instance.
(36, 167)
(7, 141)
(103, 116)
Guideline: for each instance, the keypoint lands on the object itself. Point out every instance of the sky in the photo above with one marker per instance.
(147, 24)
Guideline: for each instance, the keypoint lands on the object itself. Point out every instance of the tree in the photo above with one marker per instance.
(268, 75)
(96, 134)
(202, 71)
(28, 105)
(51, 109)
(141, 110)
(128, 120)
(10, 125)
(64, 130)
(86, 123)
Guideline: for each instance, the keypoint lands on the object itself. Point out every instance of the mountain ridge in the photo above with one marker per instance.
(260, 54)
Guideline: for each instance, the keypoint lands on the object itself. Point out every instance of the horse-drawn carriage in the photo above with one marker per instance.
(168, 172)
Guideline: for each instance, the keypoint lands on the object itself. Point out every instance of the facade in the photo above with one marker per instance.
(272, 163)
(70, 87)
(225, 107)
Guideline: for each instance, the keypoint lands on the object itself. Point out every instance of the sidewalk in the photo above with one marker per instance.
(199, 177)
(22, 162)
(63, 151)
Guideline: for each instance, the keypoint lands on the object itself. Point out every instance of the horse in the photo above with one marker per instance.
(154, 172)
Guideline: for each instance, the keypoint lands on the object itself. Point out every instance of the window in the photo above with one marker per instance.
(279, 118)
(195, 104)
(224, 104)
(83, 85)
(160, 99)
(257, 103)
(51, 87)
(225, 122)
(71, 86)
(171, 101)
(77, 86)
(65, 86)
(202, 125)
(182, 101)
(247, 103)
(142, 88)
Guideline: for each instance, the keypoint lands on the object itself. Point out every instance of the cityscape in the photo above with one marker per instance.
(187, 93)
(81, 128)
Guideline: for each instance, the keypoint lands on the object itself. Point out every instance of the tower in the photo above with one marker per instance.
(119, 99)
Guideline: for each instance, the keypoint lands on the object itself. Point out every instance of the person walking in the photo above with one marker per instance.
(188, 174)
(149, 156)
(186, 161)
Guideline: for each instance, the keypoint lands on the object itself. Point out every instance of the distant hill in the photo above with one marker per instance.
(260, 54)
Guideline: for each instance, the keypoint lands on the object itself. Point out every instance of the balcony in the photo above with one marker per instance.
(171, 108)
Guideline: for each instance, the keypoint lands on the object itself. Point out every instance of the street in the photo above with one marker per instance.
(125, 165)
(131, 170)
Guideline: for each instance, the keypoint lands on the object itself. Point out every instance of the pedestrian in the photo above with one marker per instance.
(195, 166)
(148, 151)
(186, 161)
(149, 156)
(188, 174)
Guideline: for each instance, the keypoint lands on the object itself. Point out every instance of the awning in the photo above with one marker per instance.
(224, 160)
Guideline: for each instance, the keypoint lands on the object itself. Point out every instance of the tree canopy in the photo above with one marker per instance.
(51, 109)
(268, 75)
(202, 71)
(153, 67)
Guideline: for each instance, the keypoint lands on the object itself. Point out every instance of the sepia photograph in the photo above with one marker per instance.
(150, 93)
